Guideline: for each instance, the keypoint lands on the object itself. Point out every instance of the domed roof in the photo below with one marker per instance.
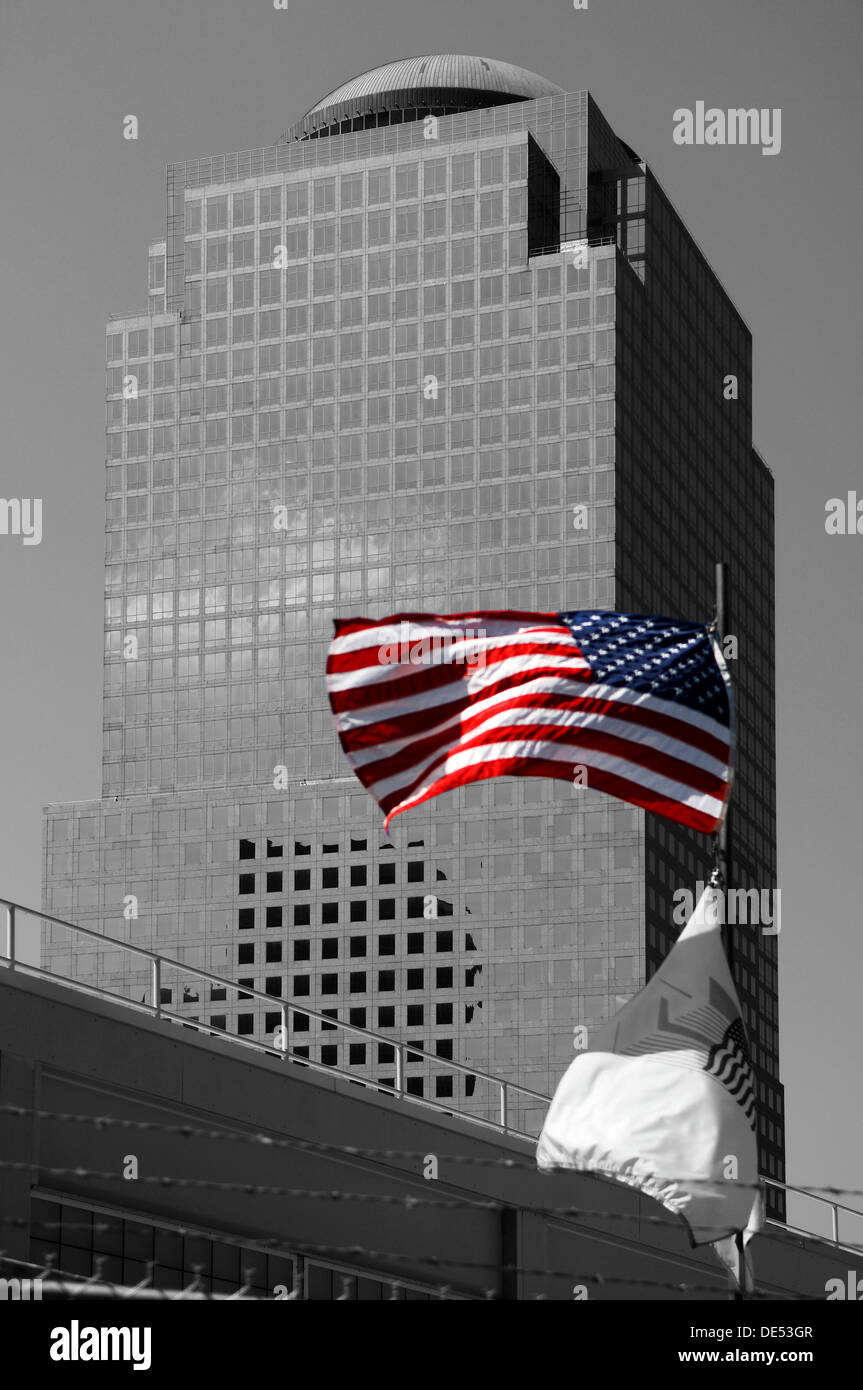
(441, 82)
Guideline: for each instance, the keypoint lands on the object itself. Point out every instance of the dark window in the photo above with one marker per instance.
(416, 871)
(245, 1023)
(330, 948)
(358, 946)
(358, 844)
(387, 910)
(443, 977)
(415, 907)
(356, 1054)
(330, 1055)
(416, 1015)
(300, 1023)
(300, 847)
(165, 995)
(387, 1081)
(469, 1085)
(218, 1021)
(443, 1013)
(247, 849)
(217, 993)
(443, 940)
(358, 912)
(247, 984)
(414, 1086)
(329, 878)
(386, 945)
(330, 848)
(247, 883)
(246, 954)
(415, 979)
(300, 1051)
(359, 875)
(274, 882)
(358, 981)
(272, 1021)
(357, 1017)
(386, 980)
(386, 873)
(274, 851)
(329, 913)
(302, 984)
(329, 984)
(416, 844)
(415, 1056)
(444, 909)
(416, 943)
(329, 1027)
(302, 915)
(443, 1047)
(273, 984)
(302, 879)
(274, 916)
(247, 918)
(273, 952)
(471, 974)
(302, 950)
(443, 1085)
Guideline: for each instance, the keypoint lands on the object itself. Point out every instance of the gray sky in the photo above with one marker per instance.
(204, 77)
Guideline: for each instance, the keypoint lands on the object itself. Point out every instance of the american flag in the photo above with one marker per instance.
(729, 1062)
(637, 707)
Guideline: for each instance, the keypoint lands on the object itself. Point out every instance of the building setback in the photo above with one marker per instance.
(445, 346)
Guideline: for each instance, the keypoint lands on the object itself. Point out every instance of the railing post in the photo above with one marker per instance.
(11, 912)
(504, 1106)
(834, 1210)
(156, 985)
(400, 1069)
(284, 1014)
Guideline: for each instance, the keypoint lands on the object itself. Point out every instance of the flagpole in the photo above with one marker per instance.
(738, 1287)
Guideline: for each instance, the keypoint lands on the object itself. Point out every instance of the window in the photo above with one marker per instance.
(247, 849)
(302, 880)
(416, 1015)
(357, 946)
(329, 984)
(443, 941)
(247, 883)
(329, 878)
(330, 1055)
(415, 907)
(387, 980)
(443, 977)
(274, 883)
(358, 874)
(443, 1014)
(302, 950)
(329, 913)
(273, 985)
(356, 1054)
(386, 945)
(247, 918)
(300, 847)
(330, 948)
(273, 952)
(416, 871)
(416, 943)
(246, 954)
(357, 982)
(358, 911)
(274, 916)
(386, 873)
(416, 979)
(386, 1016)
(387, 910)
(357, 1017)
(443, 1086)
(302, 915)
(443, 1048)
(245, 1024)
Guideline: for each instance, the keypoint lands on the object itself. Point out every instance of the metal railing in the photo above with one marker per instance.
(158, 964)
(403, 1051)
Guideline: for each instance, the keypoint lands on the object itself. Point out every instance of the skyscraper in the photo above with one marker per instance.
(444, 346)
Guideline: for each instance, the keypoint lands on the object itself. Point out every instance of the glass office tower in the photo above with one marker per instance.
(444, 346)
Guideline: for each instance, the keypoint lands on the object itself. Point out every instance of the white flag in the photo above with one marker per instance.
(664, 1100)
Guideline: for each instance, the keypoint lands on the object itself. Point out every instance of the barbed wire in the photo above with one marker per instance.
(355, 1151)
(345, 1252)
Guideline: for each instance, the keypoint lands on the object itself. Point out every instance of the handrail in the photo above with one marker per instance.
(402, 1050)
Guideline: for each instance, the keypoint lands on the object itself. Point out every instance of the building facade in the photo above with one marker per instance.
(445, 346)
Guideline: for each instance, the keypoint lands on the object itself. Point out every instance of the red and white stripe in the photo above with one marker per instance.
(527, 705)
